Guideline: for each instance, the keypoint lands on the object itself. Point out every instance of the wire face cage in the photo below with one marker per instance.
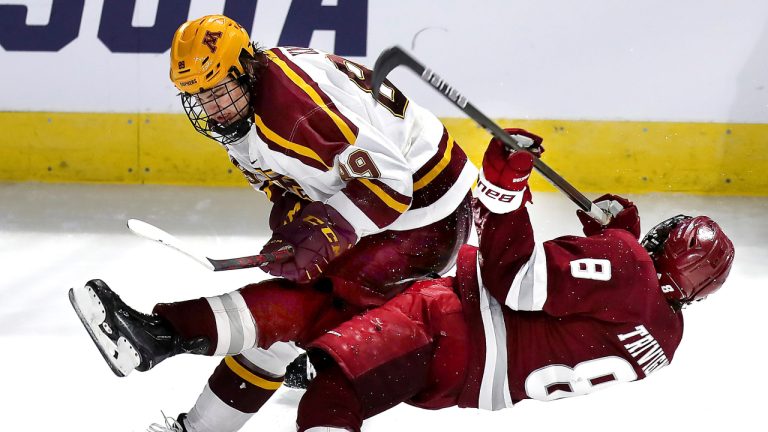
(221, 113)
(654, 240)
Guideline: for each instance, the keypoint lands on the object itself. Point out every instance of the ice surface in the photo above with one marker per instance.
(53, 237)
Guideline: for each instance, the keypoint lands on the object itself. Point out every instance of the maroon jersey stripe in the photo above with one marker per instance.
(237, 392)
(305, 77)
(307, 116)
(382, 212)
(324, 97)
(434, 160)
(436, 188)
(272, 145)
(394, 195)
(300, 125)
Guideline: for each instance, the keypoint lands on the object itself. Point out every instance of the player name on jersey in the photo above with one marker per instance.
(644, 348)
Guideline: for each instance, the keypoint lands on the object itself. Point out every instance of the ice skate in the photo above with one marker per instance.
(127, 339)
(299, 373)
(170, 425)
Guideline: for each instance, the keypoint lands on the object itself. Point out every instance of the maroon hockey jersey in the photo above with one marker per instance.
(562, 318)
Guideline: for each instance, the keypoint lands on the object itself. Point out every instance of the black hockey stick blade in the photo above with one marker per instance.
(395, 56)
(388, 60)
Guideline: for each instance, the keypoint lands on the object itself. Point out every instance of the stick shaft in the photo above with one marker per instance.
(395, 56)
(250, 261)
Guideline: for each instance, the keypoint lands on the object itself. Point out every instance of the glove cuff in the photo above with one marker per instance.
(497, 199)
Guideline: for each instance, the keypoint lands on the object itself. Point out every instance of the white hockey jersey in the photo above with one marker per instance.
(318, 133)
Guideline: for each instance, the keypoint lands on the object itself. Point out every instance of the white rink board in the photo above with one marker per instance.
(687, 60)
(53, 237)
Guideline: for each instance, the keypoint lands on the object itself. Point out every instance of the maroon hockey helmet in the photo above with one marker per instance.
(692, 256)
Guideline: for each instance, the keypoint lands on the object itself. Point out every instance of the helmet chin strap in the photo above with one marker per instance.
(236, 129)
(683, 302)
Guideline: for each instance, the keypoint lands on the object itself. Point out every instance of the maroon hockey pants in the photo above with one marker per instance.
(375, 270)
(412, 349)
(369, 274)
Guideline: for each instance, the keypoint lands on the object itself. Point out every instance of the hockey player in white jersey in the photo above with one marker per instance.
(370, 194)
(520, 320)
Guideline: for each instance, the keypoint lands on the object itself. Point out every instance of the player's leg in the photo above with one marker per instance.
(412, 349)
(126, 338)
(282, 311)
(257, 315)
(238, 388)
(330, 403)
(382, 261)
(382, 265)
(263, 315)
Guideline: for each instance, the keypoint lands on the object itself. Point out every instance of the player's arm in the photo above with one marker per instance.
(371, 186)
(376, 183)
(326, 126)
(624, 216)
(563, 276)
(286, 206)
(506, 240)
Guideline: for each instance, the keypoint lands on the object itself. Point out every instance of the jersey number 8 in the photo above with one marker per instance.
(591, 268)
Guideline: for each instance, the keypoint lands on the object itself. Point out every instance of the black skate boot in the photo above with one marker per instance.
(127, 339)
(299, 373)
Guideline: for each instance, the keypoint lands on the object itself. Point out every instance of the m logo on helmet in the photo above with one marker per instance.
(210, 40)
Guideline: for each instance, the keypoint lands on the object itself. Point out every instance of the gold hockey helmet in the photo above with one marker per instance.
(205, 50)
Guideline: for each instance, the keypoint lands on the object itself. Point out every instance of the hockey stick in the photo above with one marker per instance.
(154, 233)
(394, 56)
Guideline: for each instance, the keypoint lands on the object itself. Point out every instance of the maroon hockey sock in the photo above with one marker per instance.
(243, 385)
(191, 319)
(330, 401)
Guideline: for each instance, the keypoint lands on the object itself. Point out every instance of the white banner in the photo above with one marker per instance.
(682, 60)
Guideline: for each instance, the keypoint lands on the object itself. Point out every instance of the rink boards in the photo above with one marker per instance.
(596, 156)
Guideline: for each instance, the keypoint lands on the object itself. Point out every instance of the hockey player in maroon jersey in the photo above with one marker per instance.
(521, 319)
(369, 194)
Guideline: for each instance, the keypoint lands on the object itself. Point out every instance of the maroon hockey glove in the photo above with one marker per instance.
(503, 168)
(623, 212)
(285, 208)
(318, 235)
(502, 186)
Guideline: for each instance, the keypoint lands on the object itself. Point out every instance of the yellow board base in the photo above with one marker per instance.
(595, 156)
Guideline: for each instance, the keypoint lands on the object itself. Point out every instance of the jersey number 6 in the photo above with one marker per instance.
(560, 381)
(389, 96)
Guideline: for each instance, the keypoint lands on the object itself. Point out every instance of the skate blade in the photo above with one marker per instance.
(121, 357)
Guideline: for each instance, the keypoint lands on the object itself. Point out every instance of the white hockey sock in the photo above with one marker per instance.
(235, 325)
